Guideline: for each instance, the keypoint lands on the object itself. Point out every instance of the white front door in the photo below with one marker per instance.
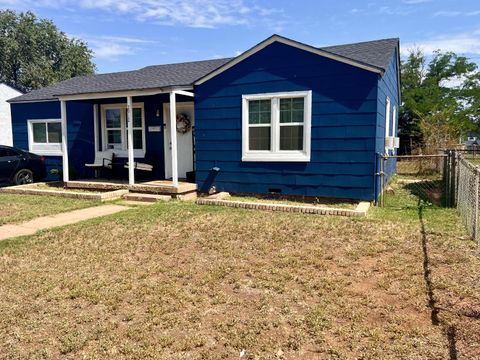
(184, 141)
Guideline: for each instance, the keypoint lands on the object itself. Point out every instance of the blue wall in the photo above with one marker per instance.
(344, 121)
(387, 86)
(80, 130)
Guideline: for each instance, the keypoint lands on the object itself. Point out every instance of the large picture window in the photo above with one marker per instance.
(45, 136)
(276, 126)
(115, 128)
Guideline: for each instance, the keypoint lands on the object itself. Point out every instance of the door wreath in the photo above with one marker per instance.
(184, 125)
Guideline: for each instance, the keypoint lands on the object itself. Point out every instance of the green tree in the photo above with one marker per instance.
(34, 53)
(441, 98)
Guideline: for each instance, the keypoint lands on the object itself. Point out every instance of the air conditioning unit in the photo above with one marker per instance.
(396, 142)
(389, 142)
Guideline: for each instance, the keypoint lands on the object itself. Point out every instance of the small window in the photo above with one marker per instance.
(115, 129)
(45, 136)
(276, 127)
(259, 124)
(291, 123)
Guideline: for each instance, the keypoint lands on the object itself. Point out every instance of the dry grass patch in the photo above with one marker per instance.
(176, 281)
(15, 208)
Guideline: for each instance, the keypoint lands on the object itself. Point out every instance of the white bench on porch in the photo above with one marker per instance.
(103, 160)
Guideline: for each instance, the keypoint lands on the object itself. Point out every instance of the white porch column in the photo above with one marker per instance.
(63, 115)
(173, 137)
(131, 170)
(95, 127)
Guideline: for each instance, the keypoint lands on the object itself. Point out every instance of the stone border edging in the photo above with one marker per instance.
(360, 210)
(30, 190)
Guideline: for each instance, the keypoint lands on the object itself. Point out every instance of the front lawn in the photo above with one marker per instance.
(18, 208)
(176, 280)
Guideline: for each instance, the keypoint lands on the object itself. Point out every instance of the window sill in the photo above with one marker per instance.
(276, 157)
(46, 150)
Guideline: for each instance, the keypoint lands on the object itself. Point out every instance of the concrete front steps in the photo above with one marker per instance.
(151, 198)
(142, 197)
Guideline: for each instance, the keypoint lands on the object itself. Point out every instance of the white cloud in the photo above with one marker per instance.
(113, 47)
(452, 13)
(448, 13)
(462, 43)
(110, 51)
(414, 2)
(191, 13)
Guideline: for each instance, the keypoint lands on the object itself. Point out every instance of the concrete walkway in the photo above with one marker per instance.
(66, 218)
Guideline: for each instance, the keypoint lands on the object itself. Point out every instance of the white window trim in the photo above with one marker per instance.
(140, 153)
(394, 121)
(275, 154)
(48, 149)
(387, 123)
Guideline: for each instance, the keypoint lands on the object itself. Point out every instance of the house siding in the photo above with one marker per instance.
(6, 92)
(387, 86)
(344, 121)
(80, 130)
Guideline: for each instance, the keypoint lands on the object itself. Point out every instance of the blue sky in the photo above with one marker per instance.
(129, 34)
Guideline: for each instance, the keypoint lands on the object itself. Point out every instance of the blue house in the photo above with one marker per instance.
(283, 117)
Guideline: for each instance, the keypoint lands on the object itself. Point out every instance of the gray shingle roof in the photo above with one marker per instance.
(376, 53)
(150, 77)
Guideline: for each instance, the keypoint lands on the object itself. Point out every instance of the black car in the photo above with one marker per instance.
(18, 166)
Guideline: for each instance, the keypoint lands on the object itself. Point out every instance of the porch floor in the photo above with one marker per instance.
(150, 187)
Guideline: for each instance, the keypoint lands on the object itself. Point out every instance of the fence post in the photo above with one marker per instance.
(454, 177)
(475, 218)
(382, 180)
(446, 177)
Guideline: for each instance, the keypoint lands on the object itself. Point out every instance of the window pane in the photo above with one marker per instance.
(259, 138)
(54, 132)
(297, 103)
(285, 116)
(259, 111)
(137, 117)
(291, 137)
(291, 110)
(137, 139)
(114, 136)
(113, 118)
(297, 115)
(39, 132)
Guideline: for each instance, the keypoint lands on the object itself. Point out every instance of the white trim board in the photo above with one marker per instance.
(289, 42)
(182, 90)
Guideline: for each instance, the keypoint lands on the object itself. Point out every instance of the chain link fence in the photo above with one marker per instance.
(449, 179)
(417, 177)
(467, 193)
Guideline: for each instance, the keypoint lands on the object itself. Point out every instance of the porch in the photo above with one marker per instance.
(140, 130)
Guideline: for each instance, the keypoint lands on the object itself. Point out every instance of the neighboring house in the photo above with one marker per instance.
(471, 139)
(282, 117)
(6, 93)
